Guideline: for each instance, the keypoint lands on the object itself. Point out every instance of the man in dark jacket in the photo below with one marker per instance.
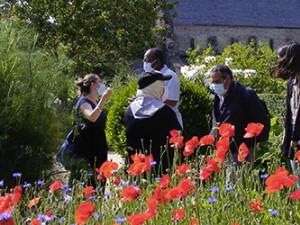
(148, 121)
(237, 105)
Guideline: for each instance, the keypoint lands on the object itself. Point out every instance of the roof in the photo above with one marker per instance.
(258, 13)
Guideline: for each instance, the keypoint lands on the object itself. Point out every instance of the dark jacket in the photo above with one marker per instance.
(290, 134)
(240, 107)
(149, 131)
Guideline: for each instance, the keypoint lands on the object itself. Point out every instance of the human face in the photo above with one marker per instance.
(217, 78)
(150, 63)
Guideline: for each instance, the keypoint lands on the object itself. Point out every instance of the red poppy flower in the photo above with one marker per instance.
(88, 191)
(139, 218)
(295, 195)
(226, 130)
(172, 194)
(36, 221)
(83, 212)
(176, 139)
(253, 130)
(49, 213)
(220, 155)
(33, 202)
(205, 173)
(182, 168)
(297, 156)
(194, 221)
(190, 146)
(279, 179)
(56, 186)
(236, 223)
(107, 168)
(117, 180)
(213, 165)
(130, 193)
(10, 221)
(242, 152)
(187, 186)
(223, 144)
(141, 164)
(164, 181)
(207, 140)
(178, 214)
(255, 205)
(17, 193)
(152, 205)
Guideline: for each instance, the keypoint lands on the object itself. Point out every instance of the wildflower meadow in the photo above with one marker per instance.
(197, 189)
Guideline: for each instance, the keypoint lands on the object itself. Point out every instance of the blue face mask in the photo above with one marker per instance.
(148, 67)
(219, 89)
(101, 89)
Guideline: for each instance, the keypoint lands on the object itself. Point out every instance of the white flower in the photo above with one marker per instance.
(51, 20)
(57, 101)
(228, 61)
(249, 73)
(209, 59)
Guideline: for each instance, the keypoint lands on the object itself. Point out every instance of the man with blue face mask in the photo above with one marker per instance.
(154, 61)
(237, 105)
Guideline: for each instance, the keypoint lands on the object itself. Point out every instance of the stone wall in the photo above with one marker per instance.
(189, 36)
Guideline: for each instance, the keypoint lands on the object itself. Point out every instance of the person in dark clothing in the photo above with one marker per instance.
(90, 142)
(148, 121)
(237, 105)
(288, 68)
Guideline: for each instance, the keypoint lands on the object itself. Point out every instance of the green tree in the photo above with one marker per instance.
(95, 33)
(32, 80)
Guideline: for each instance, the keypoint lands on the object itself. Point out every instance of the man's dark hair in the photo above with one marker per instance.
(159, 54)
(223, 70)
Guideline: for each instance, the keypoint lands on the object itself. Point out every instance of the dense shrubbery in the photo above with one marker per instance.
(195, 107)
(31, 81)
(250, 65)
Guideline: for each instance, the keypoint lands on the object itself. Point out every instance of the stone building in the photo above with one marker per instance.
(222, 22)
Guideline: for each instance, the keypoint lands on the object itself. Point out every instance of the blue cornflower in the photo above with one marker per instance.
(44, 218)
(17, 174)
(1, 183)
(40, 182)
(90, 174)
(153, 163)
(157, 178)
(211, 200)
(273, 212)
(228, 189)
(215, 189)
(5, 216)
(92, 198)
(107, 194)
(26, 185)
(67, 188)
(264, 176)
(67, 198)
(120, 220)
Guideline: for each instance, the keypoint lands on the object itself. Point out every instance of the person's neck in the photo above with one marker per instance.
(160, 67)
(92, 97)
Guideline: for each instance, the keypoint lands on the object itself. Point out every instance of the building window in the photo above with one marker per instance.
(213, 42)
(271, 44)
(192, 43)
(253, 41)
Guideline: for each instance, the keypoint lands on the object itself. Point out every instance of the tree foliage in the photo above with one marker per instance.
(95, 33)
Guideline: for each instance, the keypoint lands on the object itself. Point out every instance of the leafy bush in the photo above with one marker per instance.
(31, 79)
(115, 130)
(195, 107)
(250, 65)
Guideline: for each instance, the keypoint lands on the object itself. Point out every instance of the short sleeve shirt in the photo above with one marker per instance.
(172, 91)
